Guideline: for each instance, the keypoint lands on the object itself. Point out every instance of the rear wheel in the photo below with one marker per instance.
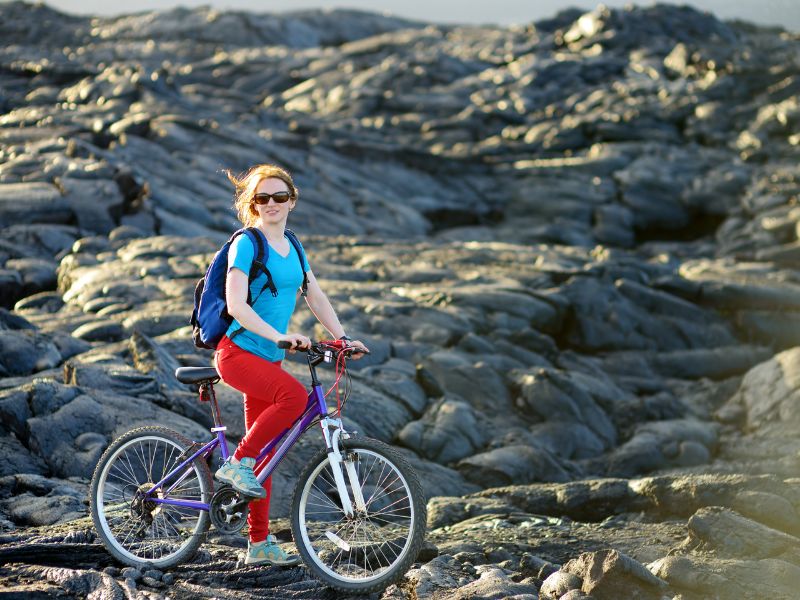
(135, 529)
(374, 547)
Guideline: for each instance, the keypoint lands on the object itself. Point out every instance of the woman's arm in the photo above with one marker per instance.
(321, 307)
(236, 297)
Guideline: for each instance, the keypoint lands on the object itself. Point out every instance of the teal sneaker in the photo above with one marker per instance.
(269, 553)
(241, 477)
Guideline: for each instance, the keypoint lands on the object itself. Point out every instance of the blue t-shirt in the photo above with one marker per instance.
(275, 310)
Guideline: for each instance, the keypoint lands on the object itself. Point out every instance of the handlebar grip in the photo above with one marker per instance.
(284, 345)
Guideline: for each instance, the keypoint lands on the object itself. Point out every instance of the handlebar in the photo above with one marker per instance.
(321, 347)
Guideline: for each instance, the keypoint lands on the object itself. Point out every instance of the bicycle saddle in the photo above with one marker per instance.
(197, 374)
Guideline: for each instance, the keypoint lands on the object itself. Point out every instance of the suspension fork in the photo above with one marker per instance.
(336, 460)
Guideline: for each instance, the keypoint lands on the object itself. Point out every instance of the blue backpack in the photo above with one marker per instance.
(210, 319)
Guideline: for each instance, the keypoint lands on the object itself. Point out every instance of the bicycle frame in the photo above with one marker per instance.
(315, 408)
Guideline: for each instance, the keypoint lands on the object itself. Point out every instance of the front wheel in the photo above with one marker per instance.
(133, 527)
(375, 546)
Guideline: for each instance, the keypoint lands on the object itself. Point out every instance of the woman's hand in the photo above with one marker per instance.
(359, 345)
(297, 340)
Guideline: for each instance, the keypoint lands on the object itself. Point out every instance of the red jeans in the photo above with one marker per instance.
(273, 400)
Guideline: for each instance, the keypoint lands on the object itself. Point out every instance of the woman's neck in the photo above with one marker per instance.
(273, 231)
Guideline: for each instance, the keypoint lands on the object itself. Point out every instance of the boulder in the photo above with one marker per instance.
(495, 583)
(610, 575)
(586, 500)
(448, 431)
(770, 391)
(735, 536)
(440, 575)
(606, 319)
(512, 464)
(568, 440)
(33, 202)
(558, 584)
(478, 384)
(448, 510)
(31, 499)
(26, 352)
(728, 578)
(151, 359)
(96, 203)
(554, 396)
(100, 331)
(16, 458)
(72, 438)
(660, 444)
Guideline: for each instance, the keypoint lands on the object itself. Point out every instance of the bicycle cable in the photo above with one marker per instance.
(340, 371)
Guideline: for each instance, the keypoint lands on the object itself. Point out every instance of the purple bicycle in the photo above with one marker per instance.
(358, 511)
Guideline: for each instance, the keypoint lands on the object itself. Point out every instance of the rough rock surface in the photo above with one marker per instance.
(571, 246)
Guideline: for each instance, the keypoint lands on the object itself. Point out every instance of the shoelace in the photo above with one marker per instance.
(249, 477)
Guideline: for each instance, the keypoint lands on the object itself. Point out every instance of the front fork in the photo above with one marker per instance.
(333, 431)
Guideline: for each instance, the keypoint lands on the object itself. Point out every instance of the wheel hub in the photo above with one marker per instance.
(142, 504)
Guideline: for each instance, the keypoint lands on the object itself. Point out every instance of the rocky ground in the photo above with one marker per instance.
(571, 246)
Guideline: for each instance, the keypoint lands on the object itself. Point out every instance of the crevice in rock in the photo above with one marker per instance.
(700, 226)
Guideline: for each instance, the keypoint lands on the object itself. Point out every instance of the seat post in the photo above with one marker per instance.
(207, 394)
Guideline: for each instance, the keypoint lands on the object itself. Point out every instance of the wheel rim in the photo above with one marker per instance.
(138, 529)
(365, 547)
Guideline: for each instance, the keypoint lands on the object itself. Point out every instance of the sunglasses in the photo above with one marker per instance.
(279, 197)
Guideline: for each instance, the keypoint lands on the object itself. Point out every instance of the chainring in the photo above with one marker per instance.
(228, 510)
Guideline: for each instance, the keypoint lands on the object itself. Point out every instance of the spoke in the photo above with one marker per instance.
(323, 496)
(139, 453)
(388, 562)
(168, 459)
(391, 523)
(168, 463)
(350, 553)
(383, 510)
(366, 555)
(400, 512)
(145, 465)
(385, 489)
(326, 477)
(335, 558)
(134, 526)
(318, 512)
(130, 464)
(124, 477)
(112, 488)
(127, 464)
(331, 508)
(151, 453)
(372, 466)
(378, 485)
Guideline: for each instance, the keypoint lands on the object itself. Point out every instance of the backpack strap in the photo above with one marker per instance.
(258, 265)
(299, 249)
(260, 261)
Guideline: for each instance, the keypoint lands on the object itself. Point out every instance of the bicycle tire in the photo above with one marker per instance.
(98, 486)
(417, 508)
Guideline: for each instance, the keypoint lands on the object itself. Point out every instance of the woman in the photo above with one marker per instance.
(248, 358)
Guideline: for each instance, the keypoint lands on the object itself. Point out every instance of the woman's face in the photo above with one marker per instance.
(273, 212)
